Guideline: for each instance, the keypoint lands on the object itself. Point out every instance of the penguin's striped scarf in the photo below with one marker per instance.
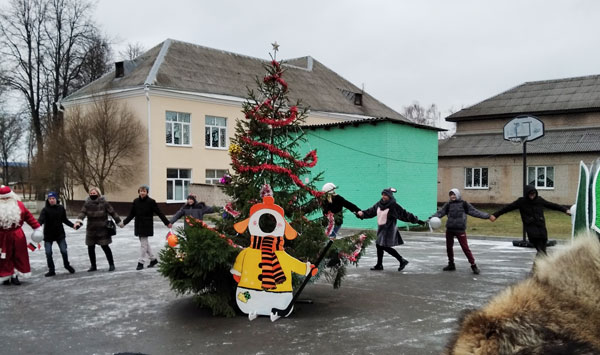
(272, 274)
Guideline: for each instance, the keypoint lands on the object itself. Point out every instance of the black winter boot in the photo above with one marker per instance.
(475, 269)
(70, 269)
(15, 281)
(377, 268)
(50, 273)
(140, 266)
(403, 264)
(450, 267)
(153, 262)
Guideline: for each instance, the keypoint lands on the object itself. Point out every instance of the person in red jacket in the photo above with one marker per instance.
(14, 257)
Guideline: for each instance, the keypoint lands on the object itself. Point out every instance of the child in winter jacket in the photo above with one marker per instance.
(457, 210)
(52, 217)
(142, 209)
(192, 208)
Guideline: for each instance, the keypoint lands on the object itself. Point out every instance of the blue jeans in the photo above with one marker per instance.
(334, 231)
(62, 245)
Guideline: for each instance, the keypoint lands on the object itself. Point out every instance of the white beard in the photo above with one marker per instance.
(10, 213)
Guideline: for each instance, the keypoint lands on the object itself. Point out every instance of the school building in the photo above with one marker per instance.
(188, 98)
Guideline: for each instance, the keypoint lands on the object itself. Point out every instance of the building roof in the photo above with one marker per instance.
(357, 122)
(576, 140)
(192, 68)
(580, 94)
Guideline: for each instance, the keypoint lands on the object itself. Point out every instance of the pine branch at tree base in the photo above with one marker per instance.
(200, 266)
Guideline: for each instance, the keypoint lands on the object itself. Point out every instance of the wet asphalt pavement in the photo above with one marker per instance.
(374, 312)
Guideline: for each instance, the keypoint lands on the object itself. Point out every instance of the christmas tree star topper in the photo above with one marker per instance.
(275, 46)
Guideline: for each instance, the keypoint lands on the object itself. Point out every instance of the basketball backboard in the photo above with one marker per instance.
(524, 128)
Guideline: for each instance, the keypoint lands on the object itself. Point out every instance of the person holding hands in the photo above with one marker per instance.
(143, 210)
(457, 210)
(388, 211)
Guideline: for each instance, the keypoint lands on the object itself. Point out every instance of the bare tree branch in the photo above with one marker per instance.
(101, 144)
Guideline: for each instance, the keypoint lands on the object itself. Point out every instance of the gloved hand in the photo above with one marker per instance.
(121, 224)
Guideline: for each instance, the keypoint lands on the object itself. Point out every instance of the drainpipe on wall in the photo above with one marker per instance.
(147, 93)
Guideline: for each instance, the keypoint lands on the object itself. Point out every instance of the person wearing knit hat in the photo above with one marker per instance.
(14, 257)
(388, 211)
(52, 217)
(143, 210)
(192, 208)
(335, 204)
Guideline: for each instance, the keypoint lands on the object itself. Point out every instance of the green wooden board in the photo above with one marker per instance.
(581, 218)
(594, 200)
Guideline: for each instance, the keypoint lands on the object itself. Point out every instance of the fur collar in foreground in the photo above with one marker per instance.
(556, 311)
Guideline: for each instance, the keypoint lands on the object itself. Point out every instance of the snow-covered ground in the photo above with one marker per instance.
(374, 312)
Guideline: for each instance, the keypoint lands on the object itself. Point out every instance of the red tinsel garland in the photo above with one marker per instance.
(358, 248)
(196, 221)
(310, 160)
(275, 169)
(330, 223)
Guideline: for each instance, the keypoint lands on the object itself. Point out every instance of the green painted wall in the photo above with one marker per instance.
(365, 159)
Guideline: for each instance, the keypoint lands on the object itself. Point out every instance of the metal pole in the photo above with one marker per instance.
(524, 182)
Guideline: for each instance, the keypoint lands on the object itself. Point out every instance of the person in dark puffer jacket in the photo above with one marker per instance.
(52, 217)
(192, 208)
(143, 209)
(531, 206)
(457, 210)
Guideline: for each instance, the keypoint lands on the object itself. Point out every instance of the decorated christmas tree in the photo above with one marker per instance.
(264, 155)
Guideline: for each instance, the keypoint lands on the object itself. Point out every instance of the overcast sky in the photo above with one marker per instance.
(449, 53)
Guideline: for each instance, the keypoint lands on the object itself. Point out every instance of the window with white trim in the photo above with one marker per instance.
(178, 128)
(213, 176)
(542, 177)
(178, 184)
(476, 178)
(215, 132)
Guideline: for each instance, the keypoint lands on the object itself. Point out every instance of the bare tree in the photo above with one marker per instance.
(11, 129)
(22, 42)
(101, 144)
(429, 116)
(96, 62)
(132, 51)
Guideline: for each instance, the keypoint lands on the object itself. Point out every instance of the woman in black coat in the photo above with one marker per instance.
(388, 211)
(143, 209)
(531, 206)
(52, 217)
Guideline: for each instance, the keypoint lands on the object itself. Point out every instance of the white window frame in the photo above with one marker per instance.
(183, 120)
(185, 183)
(473, 174)
(210, 124)
(215, 175)
(544, 170)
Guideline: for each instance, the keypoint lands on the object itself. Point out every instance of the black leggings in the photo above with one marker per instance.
(107, 252)
(393, 252)
(540, 245)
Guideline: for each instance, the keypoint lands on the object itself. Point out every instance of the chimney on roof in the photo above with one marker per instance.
(309, 63)
(119, 69)
(358, 98)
